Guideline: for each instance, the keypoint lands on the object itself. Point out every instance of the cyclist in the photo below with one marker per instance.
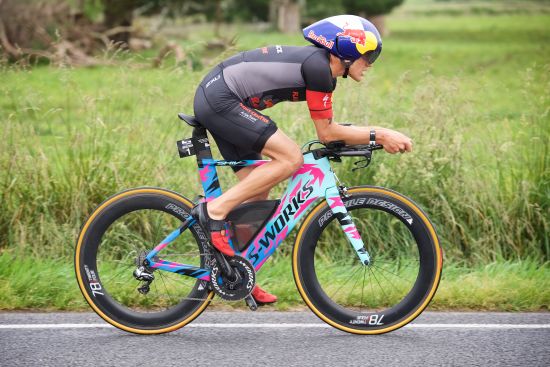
(228, 100)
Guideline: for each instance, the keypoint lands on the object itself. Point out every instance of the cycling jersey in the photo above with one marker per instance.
(269, 75)
(229, 97)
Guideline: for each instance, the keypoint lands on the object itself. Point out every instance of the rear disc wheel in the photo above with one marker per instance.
(112, 245)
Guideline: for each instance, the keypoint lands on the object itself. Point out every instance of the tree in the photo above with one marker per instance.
(374, 10)
(32, 31)
(370, 7)
(119, 13)
(250, 10)
(285, 15)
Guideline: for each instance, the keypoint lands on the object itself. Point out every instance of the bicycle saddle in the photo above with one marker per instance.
(191, 120)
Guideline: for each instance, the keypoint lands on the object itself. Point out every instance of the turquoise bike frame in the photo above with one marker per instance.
(314, 180)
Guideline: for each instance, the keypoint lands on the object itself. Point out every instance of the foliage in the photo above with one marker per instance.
(316, 10)
(480, 166)
(370, 7)
(249, 10)
(49, 30)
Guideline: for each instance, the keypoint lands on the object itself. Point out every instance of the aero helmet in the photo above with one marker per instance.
(347, 37)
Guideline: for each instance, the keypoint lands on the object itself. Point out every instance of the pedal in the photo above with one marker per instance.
(251, 302)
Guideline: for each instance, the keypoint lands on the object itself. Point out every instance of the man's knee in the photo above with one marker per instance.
(281, 148)
(293, 158)
(295, 161)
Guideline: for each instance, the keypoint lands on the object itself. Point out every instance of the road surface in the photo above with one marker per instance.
(267, 338)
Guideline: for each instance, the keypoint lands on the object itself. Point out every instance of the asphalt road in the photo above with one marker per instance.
(266, 338)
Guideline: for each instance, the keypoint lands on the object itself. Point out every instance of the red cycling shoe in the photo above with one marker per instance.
(262, 297)
(215, 229)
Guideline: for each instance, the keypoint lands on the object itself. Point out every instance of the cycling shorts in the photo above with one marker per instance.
(239, 131)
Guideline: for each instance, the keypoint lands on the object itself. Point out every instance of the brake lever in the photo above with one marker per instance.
(363, 163)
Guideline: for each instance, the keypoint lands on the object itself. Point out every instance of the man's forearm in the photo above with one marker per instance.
(349, 134)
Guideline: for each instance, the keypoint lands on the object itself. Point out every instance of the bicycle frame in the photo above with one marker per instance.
(314, 180)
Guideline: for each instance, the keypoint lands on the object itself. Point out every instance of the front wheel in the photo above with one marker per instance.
(114, 241)
(398, 284)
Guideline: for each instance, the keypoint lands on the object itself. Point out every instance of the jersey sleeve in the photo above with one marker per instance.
(319, 85)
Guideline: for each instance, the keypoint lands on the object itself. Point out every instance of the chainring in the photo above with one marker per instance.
(234, 289)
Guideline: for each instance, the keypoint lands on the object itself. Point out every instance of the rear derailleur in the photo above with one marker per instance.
(144, 273)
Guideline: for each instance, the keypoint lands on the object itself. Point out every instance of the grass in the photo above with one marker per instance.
(50, 284)
(471, 90)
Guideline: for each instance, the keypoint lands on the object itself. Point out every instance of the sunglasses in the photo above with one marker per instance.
(371, 56)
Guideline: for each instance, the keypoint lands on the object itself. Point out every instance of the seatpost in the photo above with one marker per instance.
(201, 144)
(208, 172)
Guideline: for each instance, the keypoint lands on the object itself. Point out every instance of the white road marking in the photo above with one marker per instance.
(283, 325)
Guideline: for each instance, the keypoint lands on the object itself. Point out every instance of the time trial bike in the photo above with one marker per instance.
(365, 260)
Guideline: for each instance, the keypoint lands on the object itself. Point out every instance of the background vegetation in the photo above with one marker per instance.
(469, 81)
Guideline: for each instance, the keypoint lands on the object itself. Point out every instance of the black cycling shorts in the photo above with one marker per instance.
(239, 131)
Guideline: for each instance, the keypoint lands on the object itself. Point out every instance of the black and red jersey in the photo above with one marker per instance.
(265, 76)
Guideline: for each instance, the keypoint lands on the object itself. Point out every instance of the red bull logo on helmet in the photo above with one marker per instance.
(364, 40)
(356, 35)
(320, 39)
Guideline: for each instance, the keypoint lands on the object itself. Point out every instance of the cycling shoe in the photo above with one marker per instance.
(215, 229)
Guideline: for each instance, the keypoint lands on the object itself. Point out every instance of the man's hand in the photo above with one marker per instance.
(393, 141)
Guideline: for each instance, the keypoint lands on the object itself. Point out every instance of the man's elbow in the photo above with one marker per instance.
(324, 132)
(325, 137)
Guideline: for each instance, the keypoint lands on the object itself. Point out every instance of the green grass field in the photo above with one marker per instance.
(49, 284)
(473, 92)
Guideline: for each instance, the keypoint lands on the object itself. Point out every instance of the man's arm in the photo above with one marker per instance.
(393, 141)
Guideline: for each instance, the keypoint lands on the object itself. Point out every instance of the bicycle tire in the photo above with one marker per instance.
(316, 252)
(109, 243)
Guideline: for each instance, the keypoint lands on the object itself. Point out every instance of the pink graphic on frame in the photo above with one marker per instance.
(313, 170)
(336, 202)
(204, 173)
(353, 232)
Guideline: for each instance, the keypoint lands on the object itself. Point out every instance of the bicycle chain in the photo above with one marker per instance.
(226, 289)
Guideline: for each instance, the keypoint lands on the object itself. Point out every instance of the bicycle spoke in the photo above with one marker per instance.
(372, 289)
(382, 275)
(363, 288)
(180, 279)
(161, 276)
(338, 290)
(353, 287)
(379, 285)
(401, 265)
(387, 271)
(118, 273)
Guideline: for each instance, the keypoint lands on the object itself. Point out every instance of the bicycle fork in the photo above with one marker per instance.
(346, 222)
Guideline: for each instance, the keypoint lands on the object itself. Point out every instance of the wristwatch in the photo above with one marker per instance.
(372, 137)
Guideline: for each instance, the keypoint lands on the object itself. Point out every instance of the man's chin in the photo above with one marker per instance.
(356, 78)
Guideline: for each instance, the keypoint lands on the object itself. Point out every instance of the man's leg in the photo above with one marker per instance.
(286, 158)
(260, 295)
(242, 174)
